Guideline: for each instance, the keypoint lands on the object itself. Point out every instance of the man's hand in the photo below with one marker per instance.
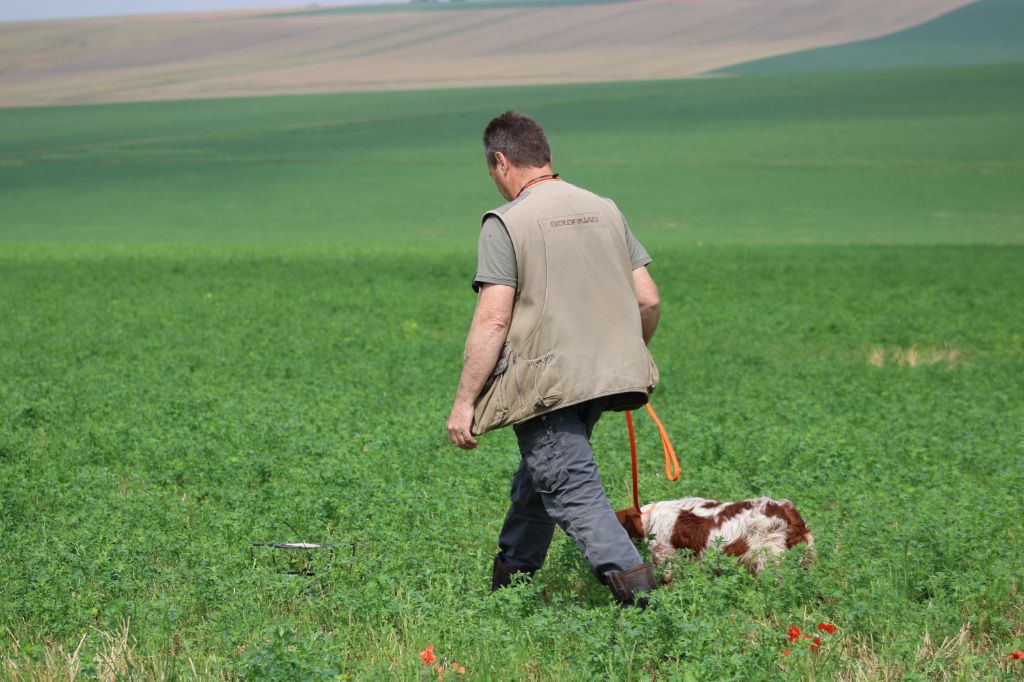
(460, 421)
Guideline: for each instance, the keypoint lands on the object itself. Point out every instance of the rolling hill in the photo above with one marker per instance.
(184, 56)
(985, 32)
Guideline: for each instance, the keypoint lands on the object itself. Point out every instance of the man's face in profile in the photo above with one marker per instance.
(494, 171)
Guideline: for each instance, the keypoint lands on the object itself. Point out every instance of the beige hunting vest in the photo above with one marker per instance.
(575, 332)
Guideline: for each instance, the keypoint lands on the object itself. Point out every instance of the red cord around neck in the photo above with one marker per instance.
(539, 178)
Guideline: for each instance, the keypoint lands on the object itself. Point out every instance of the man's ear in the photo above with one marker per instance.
(501, 163)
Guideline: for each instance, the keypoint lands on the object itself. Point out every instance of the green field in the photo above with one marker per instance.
(984, 32)
(228, 322)
(932, 156)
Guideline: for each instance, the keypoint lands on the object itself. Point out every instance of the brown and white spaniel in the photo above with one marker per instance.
(753, 530)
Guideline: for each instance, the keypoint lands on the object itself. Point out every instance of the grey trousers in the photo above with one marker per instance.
(557, 482)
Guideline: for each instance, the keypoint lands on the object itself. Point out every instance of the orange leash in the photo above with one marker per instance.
(671, 461)
(632, 455)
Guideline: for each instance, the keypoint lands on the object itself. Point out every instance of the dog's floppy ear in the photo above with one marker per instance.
(797, 531)
(631, 521)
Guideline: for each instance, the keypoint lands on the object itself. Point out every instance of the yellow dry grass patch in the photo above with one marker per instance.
(117, 659)
(248, 53)
(950, 659)
(913, 356)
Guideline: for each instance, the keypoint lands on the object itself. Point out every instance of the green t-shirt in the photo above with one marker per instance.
(496, 257)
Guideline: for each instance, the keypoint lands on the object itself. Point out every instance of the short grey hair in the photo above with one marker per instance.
(519, 138)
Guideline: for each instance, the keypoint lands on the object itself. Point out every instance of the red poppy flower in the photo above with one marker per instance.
(793, 633)
(427, 655)
(815, 644)
(785, 652)
(1017, 656)
(827, 627)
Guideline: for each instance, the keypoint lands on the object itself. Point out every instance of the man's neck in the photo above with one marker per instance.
(520, 177)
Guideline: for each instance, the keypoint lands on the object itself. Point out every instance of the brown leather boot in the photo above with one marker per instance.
(629, 586)
(502, 574)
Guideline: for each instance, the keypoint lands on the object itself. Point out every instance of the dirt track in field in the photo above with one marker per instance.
(252, 53)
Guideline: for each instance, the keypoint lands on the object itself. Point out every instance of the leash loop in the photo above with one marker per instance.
(671, 461)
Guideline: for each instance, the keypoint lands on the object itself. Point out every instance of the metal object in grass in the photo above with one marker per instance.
(299, 558)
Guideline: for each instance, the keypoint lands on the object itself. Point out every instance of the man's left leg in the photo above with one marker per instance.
(560, 460)
(526, 533)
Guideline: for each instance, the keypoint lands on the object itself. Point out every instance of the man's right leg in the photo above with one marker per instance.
(560, 463)
(527, 532)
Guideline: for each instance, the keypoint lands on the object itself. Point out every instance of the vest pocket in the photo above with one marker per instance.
(493, 403)
(500, 377)
(546, 382)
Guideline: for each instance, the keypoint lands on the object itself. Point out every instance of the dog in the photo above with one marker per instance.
(753, 530)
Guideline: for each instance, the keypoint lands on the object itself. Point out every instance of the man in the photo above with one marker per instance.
(565, 310)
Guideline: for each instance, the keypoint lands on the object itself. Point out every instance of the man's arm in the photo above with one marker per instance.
(648, 300)
(483, 345)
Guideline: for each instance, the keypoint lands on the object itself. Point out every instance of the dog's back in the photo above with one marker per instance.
(752, 530)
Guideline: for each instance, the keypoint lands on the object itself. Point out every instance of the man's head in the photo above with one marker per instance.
(519, 139)
(515, 147)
